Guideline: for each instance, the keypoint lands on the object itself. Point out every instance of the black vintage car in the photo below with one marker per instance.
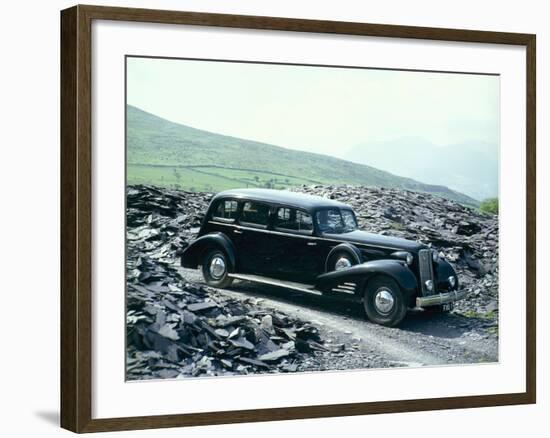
(311, 244)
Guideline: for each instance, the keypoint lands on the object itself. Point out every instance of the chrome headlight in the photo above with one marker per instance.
(452, 281)
(404, 255)
(429, 285)
(435, 255)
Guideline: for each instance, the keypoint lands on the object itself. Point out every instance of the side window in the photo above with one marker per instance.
(255, 213)
(226, 211)
(304, 220)
(283, 217)
(293, 220)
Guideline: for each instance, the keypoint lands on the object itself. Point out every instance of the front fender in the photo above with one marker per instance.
(443, 270)
(191, 256)
(361, 274)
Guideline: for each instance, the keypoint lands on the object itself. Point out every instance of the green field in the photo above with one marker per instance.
(208, 179)
(168, 154)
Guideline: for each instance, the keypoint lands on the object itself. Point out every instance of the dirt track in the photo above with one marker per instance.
(421, 339)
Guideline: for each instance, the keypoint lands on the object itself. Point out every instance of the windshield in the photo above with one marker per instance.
(336, 221)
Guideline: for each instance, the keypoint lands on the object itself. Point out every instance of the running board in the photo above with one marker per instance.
(300, 287)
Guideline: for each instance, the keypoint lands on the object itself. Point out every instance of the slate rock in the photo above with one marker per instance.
(197, 307)
(274, 355)
(242, 342)
(168, 331)
(178, 328)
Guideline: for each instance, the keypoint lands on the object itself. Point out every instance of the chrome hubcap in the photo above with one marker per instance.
(383, 300)
(217, 267)
(342, 263)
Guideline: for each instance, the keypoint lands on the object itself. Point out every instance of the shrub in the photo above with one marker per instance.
(489, 205)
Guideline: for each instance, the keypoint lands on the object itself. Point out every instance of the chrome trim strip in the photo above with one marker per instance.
(345, 291)
(442, 298)
(302, 236)
(272, 282)
(343, 286)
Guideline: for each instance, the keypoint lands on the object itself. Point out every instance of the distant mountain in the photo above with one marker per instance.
(164, 153)
(470, 168)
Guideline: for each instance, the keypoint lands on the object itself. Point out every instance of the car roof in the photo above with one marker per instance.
(284, 197)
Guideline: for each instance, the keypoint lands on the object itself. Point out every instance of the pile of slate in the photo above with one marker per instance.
(467, 238)
(160, 222)
(179, 329)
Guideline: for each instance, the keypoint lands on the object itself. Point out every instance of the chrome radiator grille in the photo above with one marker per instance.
(426, 268)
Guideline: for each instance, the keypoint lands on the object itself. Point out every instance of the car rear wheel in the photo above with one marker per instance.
(215, 269)
(383, 301)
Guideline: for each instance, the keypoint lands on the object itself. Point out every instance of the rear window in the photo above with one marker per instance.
(255, 213)
(293, 220)
(226, 210)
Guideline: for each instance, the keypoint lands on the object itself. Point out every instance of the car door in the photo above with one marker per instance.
(223, 219)
(294, 246)
(324, 218)
(252, 243)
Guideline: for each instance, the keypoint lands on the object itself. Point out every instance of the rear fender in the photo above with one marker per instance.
(361, 274)
(192, 255)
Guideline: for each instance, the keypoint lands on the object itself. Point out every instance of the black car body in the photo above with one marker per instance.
(312, 244)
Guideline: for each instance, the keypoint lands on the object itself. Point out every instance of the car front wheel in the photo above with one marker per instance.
(215, 269)
(383, 301)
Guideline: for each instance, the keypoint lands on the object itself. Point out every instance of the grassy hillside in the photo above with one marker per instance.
(168, 154)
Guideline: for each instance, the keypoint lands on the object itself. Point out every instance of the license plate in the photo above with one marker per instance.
(448, 307)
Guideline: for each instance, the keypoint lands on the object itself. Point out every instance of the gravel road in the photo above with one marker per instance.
(423, 338)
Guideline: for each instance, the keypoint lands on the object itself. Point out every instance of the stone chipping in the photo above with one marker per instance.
(177, 328)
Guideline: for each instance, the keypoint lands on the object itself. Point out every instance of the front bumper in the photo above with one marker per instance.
(443, 298)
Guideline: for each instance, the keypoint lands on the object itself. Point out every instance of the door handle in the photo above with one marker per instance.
(237, 231)
(312, 244)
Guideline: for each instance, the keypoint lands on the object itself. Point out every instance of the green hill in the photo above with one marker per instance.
(168, 154)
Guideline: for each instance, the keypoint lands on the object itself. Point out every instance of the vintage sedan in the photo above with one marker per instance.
(312, 244)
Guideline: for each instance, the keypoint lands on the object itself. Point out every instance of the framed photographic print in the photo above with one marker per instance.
(270, 218)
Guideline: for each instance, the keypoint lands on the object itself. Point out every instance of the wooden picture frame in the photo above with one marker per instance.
(76, 217)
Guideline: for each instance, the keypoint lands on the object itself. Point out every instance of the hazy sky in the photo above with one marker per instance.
(317, 109)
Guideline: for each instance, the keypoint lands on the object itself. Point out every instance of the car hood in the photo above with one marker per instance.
(365, 238)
